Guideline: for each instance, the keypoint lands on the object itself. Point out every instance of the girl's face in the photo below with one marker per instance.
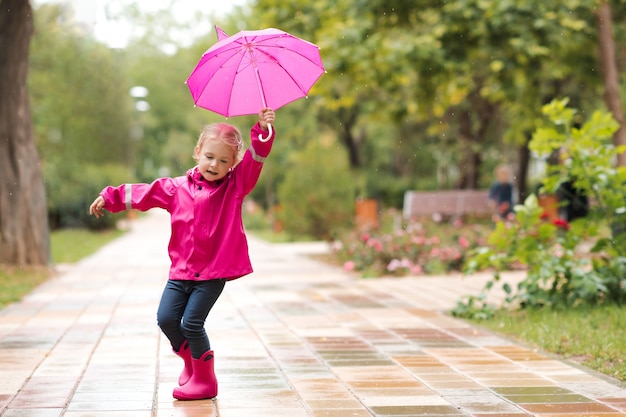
(214, 159)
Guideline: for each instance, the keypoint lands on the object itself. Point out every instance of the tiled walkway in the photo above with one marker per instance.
(295, 339)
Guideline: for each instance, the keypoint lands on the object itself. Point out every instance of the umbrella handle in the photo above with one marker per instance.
(269, 135)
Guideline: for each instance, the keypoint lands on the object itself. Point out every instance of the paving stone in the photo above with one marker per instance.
(297, 338)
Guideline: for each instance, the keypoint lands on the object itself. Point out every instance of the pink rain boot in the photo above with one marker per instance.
(202, 384)
(185, 353)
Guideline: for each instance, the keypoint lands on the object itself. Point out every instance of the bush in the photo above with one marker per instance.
(561, 271)
(317, 195)
(71, 191)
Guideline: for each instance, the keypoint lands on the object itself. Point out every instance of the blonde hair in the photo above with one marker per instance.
(224, 133)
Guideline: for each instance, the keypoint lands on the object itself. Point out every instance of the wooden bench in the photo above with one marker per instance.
(447, 203)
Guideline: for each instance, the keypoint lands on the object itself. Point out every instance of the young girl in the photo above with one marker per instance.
(207, 246)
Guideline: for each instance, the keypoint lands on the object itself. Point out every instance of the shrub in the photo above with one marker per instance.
(71, 191)
(558, 273)
(317, 195)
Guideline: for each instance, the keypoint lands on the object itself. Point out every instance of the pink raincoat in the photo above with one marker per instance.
(208, 240)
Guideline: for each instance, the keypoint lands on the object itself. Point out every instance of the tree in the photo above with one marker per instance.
(610, 74)
(82, 112)
(473, 71)
(24, 237)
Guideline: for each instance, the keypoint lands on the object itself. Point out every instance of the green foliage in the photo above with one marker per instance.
(587, 158)
(71, 192)
(560, 272)
(82, 117)
(461, 78)
(474, 307)
(79, 94)
(402, 78)
(317, 195)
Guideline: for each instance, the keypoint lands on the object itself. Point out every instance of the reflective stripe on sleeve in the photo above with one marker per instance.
(129, 197)
(255, 156)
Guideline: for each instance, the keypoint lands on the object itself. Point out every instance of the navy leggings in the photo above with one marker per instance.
(184, 307)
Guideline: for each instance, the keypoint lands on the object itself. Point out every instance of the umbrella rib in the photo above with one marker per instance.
(292, 51)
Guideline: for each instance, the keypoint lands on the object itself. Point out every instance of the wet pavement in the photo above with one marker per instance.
(298, 338)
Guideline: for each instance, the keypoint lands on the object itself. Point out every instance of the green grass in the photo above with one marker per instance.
(72, 245)
(593, 337)
(16, 282)
(67, 246)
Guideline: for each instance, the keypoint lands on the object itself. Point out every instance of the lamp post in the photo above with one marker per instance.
(141, 105)
(139, 93)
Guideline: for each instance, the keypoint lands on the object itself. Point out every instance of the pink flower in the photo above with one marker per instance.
(349, 266)
(376, 244)
(393, 265)
(416, 270)
(463, 242)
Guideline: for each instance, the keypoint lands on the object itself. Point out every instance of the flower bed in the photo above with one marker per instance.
(416, 248)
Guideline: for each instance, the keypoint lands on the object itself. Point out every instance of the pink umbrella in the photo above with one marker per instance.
(250, 70)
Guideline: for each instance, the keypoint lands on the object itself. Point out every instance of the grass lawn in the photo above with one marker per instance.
(66, 246)
(16, 282)
(72, 245)
(593, 337)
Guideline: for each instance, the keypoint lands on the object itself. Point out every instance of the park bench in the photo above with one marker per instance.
(446, 203)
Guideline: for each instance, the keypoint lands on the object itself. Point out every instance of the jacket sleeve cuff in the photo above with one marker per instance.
(261, 149)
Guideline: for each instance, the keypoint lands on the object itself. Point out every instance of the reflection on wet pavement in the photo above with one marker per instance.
(296, 339)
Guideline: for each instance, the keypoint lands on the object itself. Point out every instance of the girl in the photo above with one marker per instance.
(207, 246)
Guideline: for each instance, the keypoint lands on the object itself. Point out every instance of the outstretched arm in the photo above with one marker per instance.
(96, 208)
(136, 196)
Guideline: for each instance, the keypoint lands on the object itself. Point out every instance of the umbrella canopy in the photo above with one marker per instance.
(250, 70)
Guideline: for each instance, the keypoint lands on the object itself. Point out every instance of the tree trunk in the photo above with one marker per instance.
(343, 122)
(348, 121)
(24, 236)
(610, 74)
(470, 161)
(522, 172)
